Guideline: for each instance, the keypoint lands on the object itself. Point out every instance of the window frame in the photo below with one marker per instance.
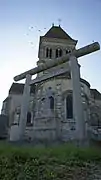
(48, 53)
(29, 123)
(58, 53)
(51, 103)
(65, 105)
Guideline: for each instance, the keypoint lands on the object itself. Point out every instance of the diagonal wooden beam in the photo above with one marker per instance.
(55, 62)
(50, 75)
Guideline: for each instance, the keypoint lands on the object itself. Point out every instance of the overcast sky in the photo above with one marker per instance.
(81, 19)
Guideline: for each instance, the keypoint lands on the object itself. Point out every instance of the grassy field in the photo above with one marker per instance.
(65, 162)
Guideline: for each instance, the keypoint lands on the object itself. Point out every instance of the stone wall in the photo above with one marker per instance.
(49, 124)
(95, 113)
(54, 125)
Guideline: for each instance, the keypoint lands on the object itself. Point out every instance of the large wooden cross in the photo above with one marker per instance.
(75, 74)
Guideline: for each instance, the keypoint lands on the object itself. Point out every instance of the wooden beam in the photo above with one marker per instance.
(50, 75)
(55, 62)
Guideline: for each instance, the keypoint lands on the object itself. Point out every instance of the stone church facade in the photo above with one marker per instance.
(50, 115)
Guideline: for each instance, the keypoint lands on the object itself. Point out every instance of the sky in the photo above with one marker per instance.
(81, 19)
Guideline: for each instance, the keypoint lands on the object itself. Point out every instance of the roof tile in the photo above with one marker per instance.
(58, 32)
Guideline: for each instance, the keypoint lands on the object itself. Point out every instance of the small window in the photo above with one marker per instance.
(47, 50)
(48, 53)
(28, 118)
(58, 53)
(68, 51)
(51, 103)
(69, 107)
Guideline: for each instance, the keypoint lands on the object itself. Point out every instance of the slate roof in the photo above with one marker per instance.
(95, 94)
(17, 88)
(58, 32)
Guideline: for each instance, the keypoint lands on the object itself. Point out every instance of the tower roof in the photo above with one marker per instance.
(58, 32)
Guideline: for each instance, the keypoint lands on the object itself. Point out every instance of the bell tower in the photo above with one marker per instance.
(54, 44)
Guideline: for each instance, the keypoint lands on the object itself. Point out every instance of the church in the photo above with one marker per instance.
(50, 114)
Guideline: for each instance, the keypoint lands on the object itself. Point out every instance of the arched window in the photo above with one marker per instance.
(48, 53)
(51, 103)
(69, 106)
(68, 51)
(28, 118)
(58, 53)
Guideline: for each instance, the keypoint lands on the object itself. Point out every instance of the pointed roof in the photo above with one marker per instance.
(58, 32)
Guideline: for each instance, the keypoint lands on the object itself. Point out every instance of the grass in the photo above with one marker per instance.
(55, 162)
